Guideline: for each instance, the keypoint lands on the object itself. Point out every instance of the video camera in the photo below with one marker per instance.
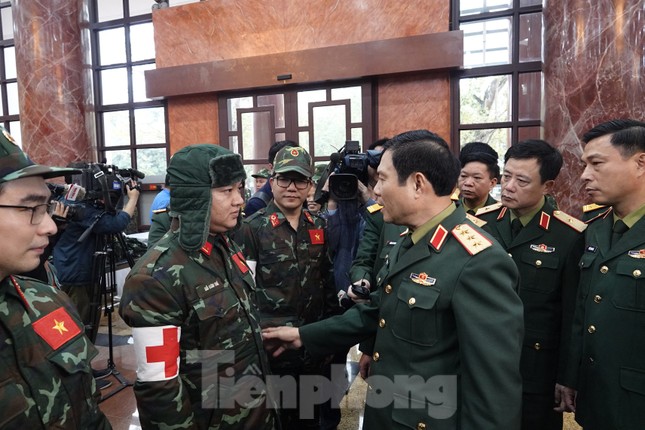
(349, 166)
(104, 182)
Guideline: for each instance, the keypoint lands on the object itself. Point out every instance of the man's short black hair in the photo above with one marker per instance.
(428, 153)
(627, 135)
(548, 158)
(273, 150)
(483, 153)
(380, 142)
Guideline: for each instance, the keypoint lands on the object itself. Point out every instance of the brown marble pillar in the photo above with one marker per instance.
(594, 71)
(53, 80)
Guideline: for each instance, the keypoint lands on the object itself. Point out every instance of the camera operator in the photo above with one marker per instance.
(73, 257)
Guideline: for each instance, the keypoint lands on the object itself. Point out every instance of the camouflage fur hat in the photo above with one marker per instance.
(293, 159)
(193, 171)
(15, 164)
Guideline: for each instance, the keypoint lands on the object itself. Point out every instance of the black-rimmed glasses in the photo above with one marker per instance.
(300, 184)
(37, 212)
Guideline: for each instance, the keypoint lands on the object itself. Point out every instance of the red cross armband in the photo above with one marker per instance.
(157, 352)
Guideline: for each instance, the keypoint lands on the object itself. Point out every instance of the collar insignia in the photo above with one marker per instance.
(545, 219)
(275, 221)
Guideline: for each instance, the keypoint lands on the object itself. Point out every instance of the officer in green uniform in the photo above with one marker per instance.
(608, 340)
(286, 247)
(546, 245)
(46, 380)
(479, 175)
(447, 318)
(159, 225)
(189, 301)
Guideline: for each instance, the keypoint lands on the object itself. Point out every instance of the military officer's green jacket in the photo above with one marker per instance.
(489, 201)
(546, 251)
(194, 322)
(46, 381)
(608, 343)
(378, 239)
(159, 225)
(446, 308)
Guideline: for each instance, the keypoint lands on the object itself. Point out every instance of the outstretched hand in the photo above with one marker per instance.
(279, 339)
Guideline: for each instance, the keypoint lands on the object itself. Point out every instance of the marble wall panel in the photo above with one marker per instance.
(594, 70)
(225, 29)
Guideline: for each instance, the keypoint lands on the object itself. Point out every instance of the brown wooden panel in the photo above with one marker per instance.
(437, 51)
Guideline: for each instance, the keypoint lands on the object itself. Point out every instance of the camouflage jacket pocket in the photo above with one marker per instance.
(13, 404)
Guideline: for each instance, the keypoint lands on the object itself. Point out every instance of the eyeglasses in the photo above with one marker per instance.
(300, 184)
(37, 212)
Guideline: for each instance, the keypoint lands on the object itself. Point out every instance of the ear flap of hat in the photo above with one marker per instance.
(192, 205)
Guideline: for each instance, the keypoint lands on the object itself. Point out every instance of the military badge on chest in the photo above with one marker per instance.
(422, 279)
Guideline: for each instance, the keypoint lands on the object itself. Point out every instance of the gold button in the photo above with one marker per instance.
(636, 273)
(388, 289)
(412, 301)
(597, 298)
(604, 269)
(421, 426)
(538, 263)
(376, 356)
(537, 346)
(591, 329)
(378, 281)
(381, 323)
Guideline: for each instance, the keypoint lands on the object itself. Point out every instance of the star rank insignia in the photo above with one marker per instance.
(275, 221)
(422, 279)
(542, 248)
(472, 241)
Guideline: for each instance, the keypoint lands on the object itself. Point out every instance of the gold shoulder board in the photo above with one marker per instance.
(592, 207)
(489, 208)
(374, 208)
(572, 222)
(478, 222)
(472, 241)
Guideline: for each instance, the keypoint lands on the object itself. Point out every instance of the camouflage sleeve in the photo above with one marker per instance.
(245, 239)
(156, 314)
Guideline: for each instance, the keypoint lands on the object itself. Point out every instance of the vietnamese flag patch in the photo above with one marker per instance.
(56, 328)
(317, 236)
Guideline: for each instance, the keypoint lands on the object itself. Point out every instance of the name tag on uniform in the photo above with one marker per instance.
(591, 248)
(422, 279)
(543, 248)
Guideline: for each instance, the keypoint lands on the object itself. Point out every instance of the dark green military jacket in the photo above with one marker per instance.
(489, 201)
(546, 252)
(197, 306)
(46, 381)
(448, 327)
(376, 243)
(608, 343)
(159, 225)
(293, 273)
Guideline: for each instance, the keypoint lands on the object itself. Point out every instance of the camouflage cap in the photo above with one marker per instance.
(15, 164)
(262, 173)
(293, 159)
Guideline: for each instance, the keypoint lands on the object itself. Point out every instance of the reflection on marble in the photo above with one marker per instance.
(218, 29)
(594, 72)
(50, 80)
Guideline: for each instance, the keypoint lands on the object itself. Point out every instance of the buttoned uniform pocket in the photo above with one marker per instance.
(273, 266)
(415, 314)
(14, 404)
(218, 314)
(539, 272)
(633, 383)
(628, 292)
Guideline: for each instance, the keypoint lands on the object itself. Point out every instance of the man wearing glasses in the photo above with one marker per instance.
(286, 247)
(46, 379)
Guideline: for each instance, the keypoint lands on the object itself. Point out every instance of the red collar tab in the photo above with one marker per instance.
(317, 236)
(275, 221)
(56, 328)
(309, 217)
(502, 213)
(439, 237)
(207, 248)
(240, 262)
(545, 219)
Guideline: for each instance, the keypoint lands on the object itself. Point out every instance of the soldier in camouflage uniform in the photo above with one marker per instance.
(286, 246)
(46, 379)
(189, 301)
